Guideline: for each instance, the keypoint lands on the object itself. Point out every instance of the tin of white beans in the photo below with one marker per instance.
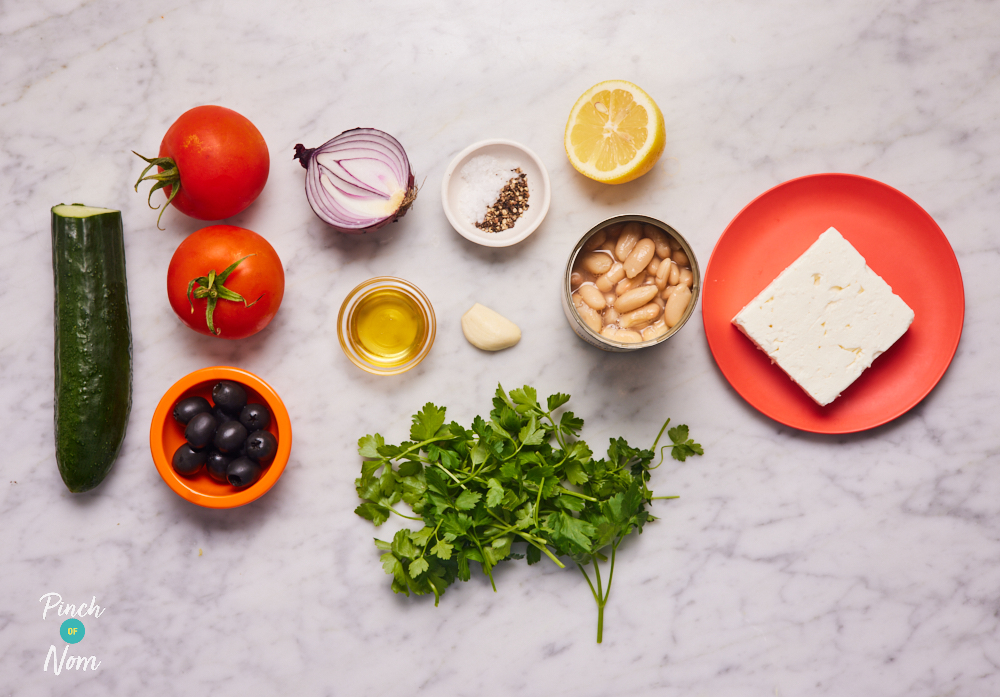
(630, 316)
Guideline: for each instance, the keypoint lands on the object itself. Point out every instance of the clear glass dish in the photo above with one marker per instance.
(386, 326)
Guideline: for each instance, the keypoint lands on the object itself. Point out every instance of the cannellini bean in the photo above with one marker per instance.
(575, 279)
(686, 278)
(676, 304)
(668, 291)
(627, 336)
(657, 328)
(659, 238)
(634, 298)
(663, 273)
(627, 284)
(611, 316)
(609, 298)
(638, 258)
(577, 300)
(609, 331)
(631, 234)
(611, 277)
(680, 258)
(674, 244)
(659, 301)
(589, 316)
(675, 274)
(596, 240)
(616, 272)
(609, 245)
(592, 296)
(595, 262)
(646, 313)
(654, 265)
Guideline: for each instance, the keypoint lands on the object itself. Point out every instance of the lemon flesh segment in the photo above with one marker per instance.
(615, 134)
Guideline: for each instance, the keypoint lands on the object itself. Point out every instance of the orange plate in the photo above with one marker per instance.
(900, 242)
(166, 435)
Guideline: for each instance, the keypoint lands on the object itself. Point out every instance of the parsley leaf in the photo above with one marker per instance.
(684, 447)
(426, 422)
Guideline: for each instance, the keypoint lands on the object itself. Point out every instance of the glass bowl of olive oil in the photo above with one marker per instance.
(386, 326)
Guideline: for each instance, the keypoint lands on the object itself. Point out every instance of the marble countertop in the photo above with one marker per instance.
(792, 563)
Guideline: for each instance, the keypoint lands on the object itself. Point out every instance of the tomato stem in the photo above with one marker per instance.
(168, 175)
(211, 287)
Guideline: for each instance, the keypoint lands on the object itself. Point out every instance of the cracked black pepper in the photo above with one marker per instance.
(510, 205)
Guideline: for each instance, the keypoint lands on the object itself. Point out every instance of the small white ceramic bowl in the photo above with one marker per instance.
(506, 151)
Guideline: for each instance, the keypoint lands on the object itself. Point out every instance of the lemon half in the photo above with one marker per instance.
(615, 132)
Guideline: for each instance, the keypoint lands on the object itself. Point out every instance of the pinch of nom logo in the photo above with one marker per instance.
(72, 631)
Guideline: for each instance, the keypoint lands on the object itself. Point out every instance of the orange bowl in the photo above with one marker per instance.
(166, 435)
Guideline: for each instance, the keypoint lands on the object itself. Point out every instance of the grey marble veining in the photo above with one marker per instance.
(791, 564)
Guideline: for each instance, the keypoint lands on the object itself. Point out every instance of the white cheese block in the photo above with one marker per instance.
(825, 318)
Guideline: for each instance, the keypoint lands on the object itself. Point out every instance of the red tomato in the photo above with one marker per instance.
(222, 161)
(258, 278)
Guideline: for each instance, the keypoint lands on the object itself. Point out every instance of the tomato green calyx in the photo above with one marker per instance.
(170, 176)
(211, 287)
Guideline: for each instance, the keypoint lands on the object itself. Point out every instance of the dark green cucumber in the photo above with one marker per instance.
(93, 342)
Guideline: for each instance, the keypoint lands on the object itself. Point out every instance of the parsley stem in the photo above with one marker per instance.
(570, 492)
(401, 515)
(662, 429)
(448, 472)
(530, 539)
(611, 569)
(487, 567)
(599, 597)
(587, 578)
(658, 435)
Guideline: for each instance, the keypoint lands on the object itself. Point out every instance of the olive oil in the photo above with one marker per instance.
(387, 327)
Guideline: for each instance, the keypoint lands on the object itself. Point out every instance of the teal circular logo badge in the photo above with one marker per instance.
(71, 631)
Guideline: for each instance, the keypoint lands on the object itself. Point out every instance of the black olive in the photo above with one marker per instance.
(200, 430)
(221, 416)
(255, 417)
(216, 464)
(229, 395)
(187, 409)
(229, 437)
(261, 446)
(187, 461)
(242, 472)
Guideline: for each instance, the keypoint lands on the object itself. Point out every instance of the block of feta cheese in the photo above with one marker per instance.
(825, 318)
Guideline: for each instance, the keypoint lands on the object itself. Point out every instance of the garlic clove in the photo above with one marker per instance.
(489, 330)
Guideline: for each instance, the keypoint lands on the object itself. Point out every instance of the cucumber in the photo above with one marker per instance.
(93, 342)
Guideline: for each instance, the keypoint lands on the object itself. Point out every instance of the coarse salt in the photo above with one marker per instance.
(484, 176)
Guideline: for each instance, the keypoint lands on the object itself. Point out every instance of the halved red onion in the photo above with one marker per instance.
(358, 181)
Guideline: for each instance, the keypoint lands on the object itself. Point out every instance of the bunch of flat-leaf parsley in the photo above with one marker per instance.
(480, 490)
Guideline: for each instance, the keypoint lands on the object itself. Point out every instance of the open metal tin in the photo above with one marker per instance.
(601, 338)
